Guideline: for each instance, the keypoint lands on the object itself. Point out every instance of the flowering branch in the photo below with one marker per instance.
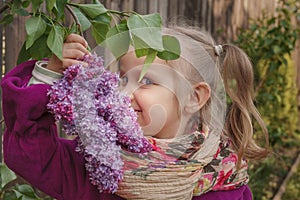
(105, 122)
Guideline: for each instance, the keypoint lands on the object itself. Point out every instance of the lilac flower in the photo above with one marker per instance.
(87, 102)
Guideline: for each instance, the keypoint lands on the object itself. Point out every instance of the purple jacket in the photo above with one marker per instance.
(34, 151)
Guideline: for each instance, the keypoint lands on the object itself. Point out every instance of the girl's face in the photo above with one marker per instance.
(153, 98)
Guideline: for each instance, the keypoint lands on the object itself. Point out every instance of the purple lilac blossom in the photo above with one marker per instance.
(88, 103)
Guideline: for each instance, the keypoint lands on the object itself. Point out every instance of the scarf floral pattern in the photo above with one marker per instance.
(172, 171)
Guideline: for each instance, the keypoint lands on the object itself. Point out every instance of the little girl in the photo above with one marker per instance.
(200, 148)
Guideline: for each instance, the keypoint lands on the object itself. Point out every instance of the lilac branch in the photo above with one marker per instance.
(75, 19)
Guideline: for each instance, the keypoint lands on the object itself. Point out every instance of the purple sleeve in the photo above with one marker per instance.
(242, 193)
(31, 144)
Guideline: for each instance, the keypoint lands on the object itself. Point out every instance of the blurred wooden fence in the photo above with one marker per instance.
(220, 17)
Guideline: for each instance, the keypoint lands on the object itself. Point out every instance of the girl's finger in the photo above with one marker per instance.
(75, 38)
(73, 54)
(69, 62)
(75, 46)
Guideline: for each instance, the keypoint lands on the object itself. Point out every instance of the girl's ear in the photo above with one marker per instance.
(198, 98)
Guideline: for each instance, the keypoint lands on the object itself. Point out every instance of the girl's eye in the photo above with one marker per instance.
(123, 81)
(146, 81)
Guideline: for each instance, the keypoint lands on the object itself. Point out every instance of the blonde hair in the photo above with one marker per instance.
(236, 72)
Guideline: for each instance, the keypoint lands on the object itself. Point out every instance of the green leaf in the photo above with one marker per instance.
(142, 52)
(141, 48)
(48, 28)
(7, 19)
(16, 7)
(25, 4)
(39, 49)
(103, 18)
(99, 31)
(36, 5)
(50, 5)
(60, 8)
(118, 40)
(26, 192)
(171, 48)
(276, 49)
(92, 10)
(6, 175)
(55, 41)
(35, 27)
(16, 4)
(147, 63)
(10, 195)
(148, 29)
(21, 12)
(73, 29)
(84, 22)
(24, 54)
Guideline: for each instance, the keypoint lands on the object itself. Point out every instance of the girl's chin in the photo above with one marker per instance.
(149, 129)
(147, 132)
(149, 135)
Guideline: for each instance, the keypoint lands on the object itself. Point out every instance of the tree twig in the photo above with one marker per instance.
(283, 185)
(3, 8)
(75, 19)
(261, 82)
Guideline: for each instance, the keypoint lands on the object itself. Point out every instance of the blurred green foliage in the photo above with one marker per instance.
(11, 188)
(269, 42)
(293, 187)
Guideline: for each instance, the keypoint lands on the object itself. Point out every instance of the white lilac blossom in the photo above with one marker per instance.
(88, 104)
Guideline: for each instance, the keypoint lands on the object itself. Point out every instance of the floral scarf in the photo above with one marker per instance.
(179, 168)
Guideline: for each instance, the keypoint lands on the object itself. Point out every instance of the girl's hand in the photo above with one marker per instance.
(73, 51)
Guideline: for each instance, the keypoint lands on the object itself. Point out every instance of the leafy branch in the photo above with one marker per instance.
(76, 19)
(46, 29)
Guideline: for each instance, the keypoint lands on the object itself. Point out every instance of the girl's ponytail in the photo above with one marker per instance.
(238, 81)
